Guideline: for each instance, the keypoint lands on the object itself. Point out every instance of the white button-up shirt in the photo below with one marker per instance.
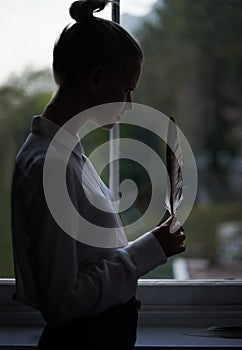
(59, 275)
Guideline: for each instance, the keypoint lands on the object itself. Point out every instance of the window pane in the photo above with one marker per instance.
(193, 72)
(26, 85)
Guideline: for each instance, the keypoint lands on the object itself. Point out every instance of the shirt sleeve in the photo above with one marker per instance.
(66, 286)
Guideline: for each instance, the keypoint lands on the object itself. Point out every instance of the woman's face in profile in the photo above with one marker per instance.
(116, 86)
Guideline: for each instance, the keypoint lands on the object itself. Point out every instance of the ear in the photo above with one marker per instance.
(95, 76)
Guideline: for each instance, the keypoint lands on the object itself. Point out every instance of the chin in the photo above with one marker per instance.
(108, 126)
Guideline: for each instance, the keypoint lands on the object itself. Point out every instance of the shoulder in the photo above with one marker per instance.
(31, 155)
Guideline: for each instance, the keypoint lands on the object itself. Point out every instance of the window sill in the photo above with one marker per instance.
(174, 315)
(147, 338)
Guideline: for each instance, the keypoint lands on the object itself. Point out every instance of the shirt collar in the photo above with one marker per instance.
(44, 126)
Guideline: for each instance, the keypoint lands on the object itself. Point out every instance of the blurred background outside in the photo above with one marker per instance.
(192, 71)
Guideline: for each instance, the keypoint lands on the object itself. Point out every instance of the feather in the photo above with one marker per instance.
(174, 164)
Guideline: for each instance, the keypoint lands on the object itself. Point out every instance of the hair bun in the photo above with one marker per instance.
(84, 9)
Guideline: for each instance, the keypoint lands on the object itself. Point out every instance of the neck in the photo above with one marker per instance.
(63, 107)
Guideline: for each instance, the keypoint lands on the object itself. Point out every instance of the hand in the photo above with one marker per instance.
(170, 235)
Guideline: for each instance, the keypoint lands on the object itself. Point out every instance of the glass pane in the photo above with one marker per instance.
(193, 71)
(26, 85)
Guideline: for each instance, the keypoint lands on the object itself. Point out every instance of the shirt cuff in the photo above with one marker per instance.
(147, 253)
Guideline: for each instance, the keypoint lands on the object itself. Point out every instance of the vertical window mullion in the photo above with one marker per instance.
(114, 167)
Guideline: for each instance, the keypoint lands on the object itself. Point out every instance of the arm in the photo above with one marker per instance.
(67, 287)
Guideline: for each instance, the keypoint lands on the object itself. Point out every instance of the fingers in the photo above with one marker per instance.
(180, 236)
(174, 224)
(171, 236)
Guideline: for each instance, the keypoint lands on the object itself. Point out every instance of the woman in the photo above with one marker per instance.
(85, 292)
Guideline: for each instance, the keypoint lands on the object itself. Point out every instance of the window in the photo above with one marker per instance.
(192, 71)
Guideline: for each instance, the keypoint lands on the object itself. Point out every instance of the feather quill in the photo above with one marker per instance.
(174, 164)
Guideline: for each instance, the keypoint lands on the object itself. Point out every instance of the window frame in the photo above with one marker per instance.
(192, 305)
(164, 302)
